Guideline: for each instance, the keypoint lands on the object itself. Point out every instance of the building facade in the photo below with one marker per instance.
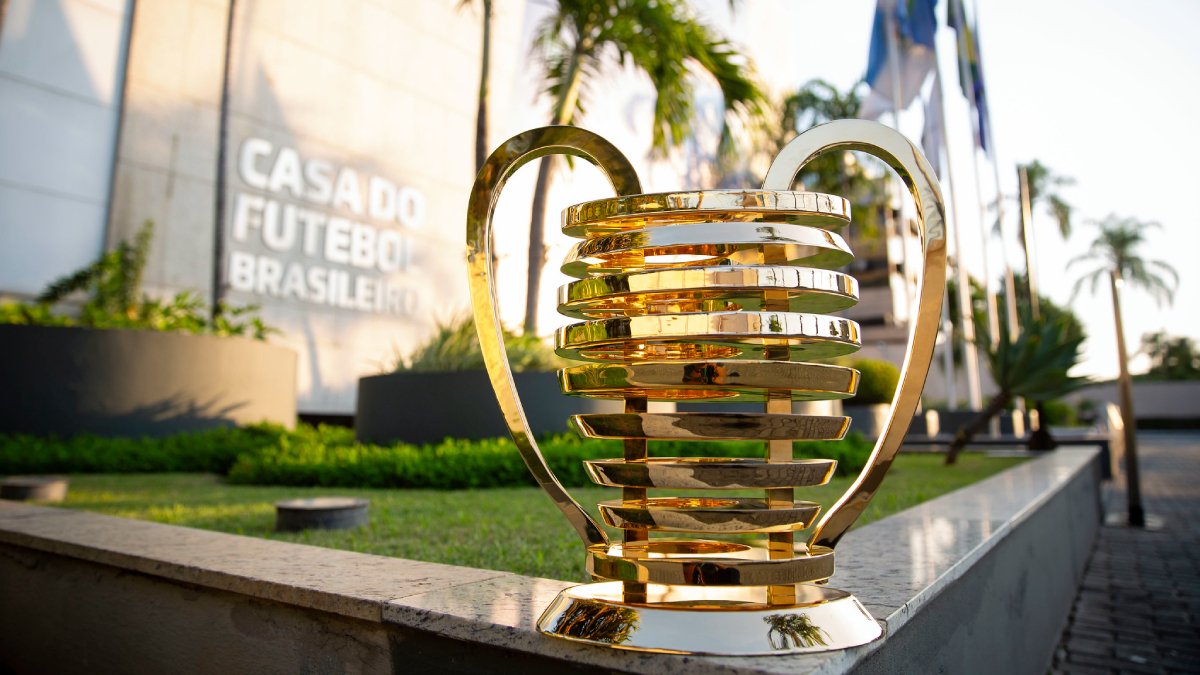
(315, 159)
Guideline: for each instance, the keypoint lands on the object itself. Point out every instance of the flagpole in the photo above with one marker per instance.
(1010, 286)
(964, 69)
(897, 103)
(905, 235)
(965, 308)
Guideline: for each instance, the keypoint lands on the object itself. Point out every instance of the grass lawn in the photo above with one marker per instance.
(511, 529)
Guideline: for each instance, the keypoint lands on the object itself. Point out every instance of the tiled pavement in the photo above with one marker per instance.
(1138, 609)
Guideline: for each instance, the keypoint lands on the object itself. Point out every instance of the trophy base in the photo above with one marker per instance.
(713, 620)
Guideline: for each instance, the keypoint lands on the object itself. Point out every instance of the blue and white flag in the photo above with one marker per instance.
(970, 76)
(912, 24)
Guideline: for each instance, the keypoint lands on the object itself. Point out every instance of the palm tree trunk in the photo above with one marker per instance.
(481, 115)
(537, 246)
(1133, 487)
(999, 402)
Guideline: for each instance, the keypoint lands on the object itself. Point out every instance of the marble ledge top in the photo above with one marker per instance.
(914, 555)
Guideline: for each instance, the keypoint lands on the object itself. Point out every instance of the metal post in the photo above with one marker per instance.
(964, 68)
(218, 277)
(967, 312)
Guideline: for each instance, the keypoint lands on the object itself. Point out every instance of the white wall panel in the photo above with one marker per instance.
(61, 66)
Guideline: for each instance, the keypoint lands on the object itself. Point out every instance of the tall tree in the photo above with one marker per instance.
(1044, 191)
(1171, 358)
(1039, 186)
(481, 112)
(1115, 256)
(485, 66)
(818, 102)
(658, 37)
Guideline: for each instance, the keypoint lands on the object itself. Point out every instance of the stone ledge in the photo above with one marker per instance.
(356, 585)
(965, 545)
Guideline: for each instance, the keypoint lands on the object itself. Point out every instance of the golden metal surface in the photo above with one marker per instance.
(633, 212)
(715, 620)
(706, 244)
(707, 289)
(723, 515)
(710, 473)
(904, 157)
(700, 562)
(709, 335)
(485, 193)
(685, 426)
(714, 381)
(711, 296)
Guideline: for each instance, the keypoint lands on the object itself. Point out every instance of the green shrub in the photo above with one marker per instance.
(329, 456)
(1060, 414)
(211, 451)
(455, 463)
(878, 383)
(114, 285)
(455, 346)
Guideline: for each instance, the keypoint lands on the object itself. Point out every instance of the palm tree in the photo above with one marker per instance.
(660, 38)
(481, 112)
(1115, 253)
(1039, 186)
(1044, 186)
(818, 102)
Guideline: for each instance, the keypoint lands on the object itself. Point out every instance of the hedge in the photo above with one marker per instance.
(328, 456)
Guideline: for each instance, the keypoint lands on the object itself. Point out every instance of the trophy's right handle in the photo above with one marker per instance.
(904, 157)
(510, 156)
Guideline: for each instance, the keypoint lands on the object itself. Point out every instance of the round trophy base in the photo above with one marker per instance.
(726, 621)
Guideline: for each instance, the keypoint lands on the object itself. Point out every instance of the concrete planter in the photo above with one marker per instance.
(66, 381)
(428, 407)
(867, 420)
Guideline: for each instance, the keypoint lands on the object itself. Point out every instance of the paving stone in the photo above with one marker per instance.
(1095, 647)
(1138, 608)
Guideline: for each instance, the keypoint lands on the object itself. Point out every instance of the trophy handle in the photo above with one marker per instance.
(510, 156)
(900, 154)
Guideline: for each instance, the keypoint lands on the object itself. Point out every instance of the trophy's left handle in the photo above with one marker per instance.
(904, 157)
(510, 156)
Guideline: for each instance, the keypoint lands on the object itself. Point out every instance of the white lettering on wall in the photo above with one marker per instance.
(252, 149)
(361, 231)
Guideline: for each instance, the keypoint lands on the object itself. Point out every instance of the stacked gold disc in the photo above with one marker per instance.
(714, 296)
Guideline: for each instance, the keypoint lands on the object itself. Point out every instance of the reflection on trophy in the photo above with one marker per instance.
(711, 296)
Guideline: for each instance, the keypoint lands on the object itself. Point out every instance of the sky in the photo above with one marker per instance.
(1099, 90)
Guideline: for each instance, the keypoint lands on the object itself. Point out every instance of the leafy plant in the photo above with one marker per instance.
(454, 346)
(878, 381)
(115, 300)
(1035, 366)
(212, 451)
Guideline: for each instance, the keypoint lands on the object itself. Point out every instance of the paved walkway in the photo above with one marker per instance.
(1138, 609)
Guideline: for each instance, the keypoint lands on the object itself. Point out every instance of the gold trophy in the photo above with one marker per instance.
(710, 296)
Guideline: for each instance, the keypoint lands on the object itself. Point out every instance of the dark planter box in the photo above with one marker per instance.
(428, 407)
(65, 381)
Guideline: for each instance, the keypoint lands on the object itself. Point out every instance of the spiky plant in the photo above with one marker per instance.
(1034, 366)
